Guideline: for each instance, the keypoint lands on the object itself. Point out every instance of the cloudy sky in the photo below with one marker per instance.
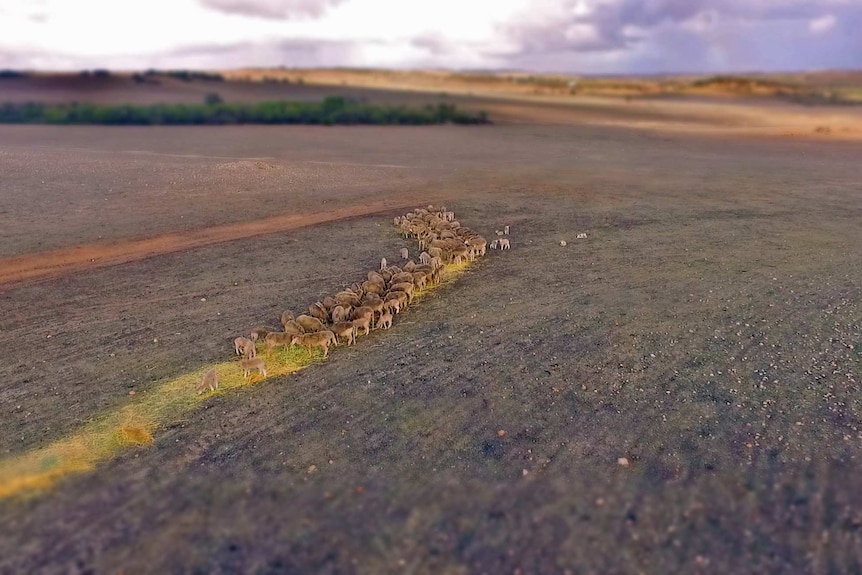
(578, 36)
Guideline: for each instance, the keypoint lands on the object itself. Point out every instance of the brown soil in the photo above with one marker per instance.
(707, 330)
(80, 258)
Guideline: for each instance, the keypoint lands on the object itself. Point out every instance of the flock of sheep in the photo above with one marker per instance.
(375, 301)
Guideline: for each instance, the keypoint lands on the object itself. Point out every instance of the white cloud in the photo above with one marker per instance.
(564, 35)
(822, 25)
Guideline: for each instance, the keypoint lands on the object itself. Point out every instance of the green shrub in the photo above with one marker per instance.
(214, 111)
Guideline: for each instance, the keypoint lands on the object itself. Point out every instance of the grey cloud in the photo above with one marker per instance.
(273, 9)
(621, 36)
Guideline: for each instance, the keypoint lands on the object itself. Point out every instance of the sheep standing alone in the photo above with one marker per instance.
(210, 380)
(248, 365)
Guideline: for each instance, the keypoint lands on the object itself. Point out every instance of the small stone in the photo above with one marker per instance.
(563, 243)
(525, 472)
(623, 462)
(155, 340)
(203, 299)
(501, 433)
(312, 469)
(132, 392)
(582, 236)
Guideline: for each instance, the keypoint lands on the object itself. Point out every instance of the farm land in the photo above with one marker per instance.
(676, 392)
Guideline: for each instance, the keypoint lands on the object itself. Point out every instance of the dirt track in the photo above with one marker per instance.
(81, 258)
(707, 330)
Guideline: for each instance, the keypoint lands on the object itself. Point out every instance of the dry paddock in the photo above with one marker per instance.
(707, 330)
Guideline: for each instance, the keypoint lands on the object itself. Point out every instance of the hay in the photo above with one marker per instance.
(136, 423)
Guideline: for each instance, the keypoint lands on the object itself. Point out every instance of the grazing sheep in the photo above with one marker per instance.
(340, 313)
(499, 232)
(286, 317)
(437, 263)
(406, 287)
(363, 311)
(210, 380)
(458, 254)
(506, 230)
(410, 266)
(292, 327)
(399, 296)
(425, 258)
(401, 278)
(259, 333)
(317, 310)
(385, 321)
(375, 277)
(405, 253)
(383, 264)
(374, 286)
(243, 346)
(505, 245)
(329, 302)
(363, 323)
(392, 306)
(420, 279)
(345, 329)
(494, 244)
(310, 324)
(276, 339)
(320, 339)
(347, 298)
(376, 305)
(248, 365)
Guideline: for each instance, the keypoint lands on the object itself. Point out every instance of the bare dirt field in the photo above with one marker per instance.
(708, 331)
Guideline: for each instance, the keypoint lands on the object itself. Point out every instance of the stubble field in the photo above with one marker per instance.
(707, 331)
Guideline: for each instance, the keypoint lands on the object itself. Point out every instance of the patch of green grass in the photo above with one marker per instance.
(137, 422)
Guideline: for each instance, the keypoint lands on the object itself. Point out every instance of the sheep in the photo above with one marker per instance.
(374, 286)
(347, 298)
(243, 347)
(363, 311)
(329, 302)
(406, 287)
(309, 324)
(248, 365)
(292, 327)
(505, 245)
(286, 317)
(375, 277)
(259, 333)
(399, 296)
(401, 278)
(437, 263)
(383, 264)
(340, 313)
(458, 254)
(405, 253)
(392, 306)
(506, 230)
(425, 258)
(410, 266)
(385, 321)
(376, 305)
(478, 244)
(276, 339)
(317, 310)
(320, 339)
(363, 323)
(210, 380)
(420, 279)
(494, 244)
(499, 233)
(345, 329)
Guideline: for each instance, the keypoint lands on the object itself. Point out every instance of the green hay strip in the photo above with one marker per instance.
(135, 423)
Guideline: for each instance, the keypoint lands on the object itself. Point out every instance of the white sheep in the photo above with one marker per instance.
(504, 244)
(405, 253)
